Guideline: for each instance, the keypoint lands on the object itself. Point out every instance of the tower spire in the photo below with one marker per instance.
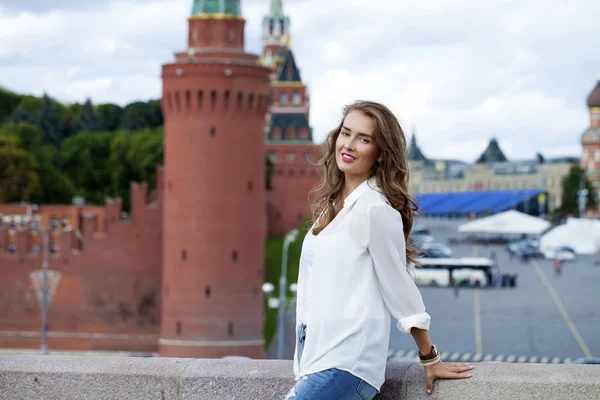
(276, 8)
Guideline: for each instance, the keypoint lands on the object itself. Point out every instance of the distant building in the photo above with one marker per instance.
(590, 141)
(492, 171)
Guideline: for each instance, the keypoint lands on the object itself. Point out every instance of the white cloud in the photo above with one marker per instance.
(460, 71)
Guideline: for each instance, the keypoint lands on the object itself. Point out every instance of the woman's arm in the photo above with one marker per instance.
(422, 340)
(438, 370)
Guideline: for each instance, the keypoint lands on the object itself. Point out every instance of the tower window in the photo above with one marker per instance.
(213, 98)
(230, 328)
(297, 98)
(283, 98)
(178, 328)
(207, 292)
(250, 186)
(234, 256)
(282, 26)
(240, 98)
(213, 131)
(271, 26)
(200, 98)
(184, 255)
(188, 100)
(227, 96)
(231, 35)
(250, 101)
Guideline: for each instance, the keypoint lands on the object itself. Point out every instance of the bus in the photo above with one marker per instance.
(477, 271)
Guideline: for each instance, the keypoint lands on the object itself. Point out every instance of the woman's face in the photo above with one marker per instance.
(355, 149)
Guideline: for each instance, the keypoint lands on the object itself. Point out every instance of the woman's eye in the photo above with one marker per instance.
(366, 141)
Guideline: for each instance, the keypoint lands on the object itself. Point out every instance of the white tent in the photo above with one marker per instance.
(581, 234)
(506, 223)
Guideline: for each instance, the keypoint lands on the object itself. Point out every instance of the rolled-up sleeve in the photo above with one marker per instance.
(387, 248)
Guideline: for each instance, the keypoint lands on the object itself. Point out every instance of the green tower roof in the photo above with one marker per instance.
(276, 12)
(276, 8)
(216, 8)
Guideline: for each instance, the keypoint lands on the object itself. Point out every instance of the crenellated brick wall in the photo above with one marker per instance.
(109, 295)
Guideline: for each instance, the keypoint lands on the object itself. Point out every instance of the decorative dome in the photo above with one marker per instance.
(230, 8)
(593, 99)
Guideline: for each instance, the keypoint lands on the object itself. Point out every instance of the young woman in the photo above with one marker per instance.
(353, 276)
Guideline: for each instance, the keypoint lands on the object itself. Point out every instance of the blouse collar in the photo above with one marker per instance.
(370, 183)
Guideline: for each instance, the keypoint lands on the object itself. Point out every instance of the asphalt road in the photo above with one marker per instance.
(546, 317)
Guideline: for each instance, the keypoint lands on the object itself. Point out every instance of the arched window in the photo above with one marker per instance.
(290, 133)
(296, 98)
(283, 98)
(276, 133)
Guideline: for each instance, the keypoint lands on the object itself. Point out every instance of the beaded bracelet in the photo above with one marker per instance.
(431, 362)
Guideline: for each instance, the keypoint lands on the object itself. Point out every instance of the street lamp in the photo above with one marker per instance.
(289, 238)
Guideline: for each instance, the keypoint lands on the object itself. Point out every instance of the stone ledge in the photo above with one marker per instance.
(77, 377)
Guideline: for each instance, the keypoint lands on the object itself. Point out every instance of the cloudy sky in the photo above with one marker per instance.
(460, 71)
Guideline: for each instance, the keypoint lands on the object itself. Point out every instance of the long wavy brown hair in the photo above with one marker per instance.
(392, 172)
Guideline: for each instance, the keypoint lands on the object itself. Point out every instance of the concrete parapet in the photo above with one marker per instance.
(79, 377)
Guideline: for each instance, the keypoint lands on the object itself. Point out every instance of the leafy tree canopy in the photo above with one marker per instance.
(18, 176)
(571, 185)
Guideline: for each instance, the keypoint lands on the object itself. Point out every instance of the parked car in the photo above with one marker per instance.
(441, 247)
(525, 249)
(560, 253)
(422, 239)
(433, 253)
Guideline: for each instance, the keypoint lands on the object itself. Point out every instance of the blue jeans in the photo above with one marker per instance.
(329, 384)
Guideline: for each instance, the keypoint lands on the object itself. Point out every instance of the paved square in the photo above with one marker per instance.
(546, 316)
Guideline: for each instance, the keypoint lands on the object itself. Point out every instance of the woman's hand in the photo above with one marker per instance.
(445, 371)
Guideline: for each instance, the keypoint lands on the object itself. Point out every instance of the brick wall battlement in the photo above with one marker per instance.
(108, 295)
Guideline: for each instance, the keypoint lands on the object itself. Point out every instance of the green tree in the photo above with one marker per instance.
(570, 186)
(134, 157)
(18, 176)
(83, 158)
(8, 102)
(140, 114)
(88, 120)
(50, 122)
(55, 187)
(110, 115)
(67, 125)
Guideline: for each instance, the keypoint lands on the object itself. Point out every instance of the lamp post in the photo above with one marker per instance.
(582, 196)
(289, 237)
(44, 345)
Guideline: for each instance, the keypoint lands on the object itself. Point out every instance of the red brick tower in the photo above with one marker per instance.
(215, 97)
(590, 141)
(288, 133)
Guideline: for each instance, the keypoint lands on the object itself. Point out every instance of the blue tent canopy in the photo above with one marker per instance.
(474, 202)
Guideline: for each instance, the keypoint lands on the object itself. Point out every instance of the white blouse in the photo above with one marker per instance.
(358, 279)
